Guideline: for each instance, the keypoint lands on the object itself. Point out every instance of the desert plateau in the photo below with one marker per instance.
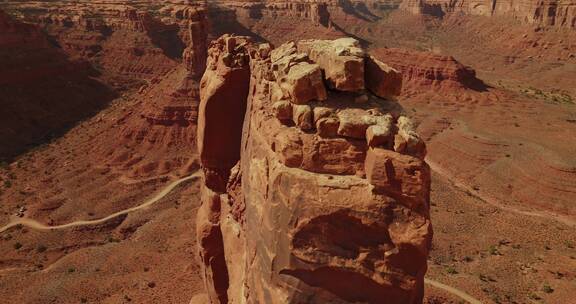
(288, 152)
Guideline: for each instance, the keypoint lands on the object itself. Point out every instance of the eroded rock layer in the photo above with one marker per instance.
(160, 131)
(425, 71)
(554, 13)
(127, 42)
(319, 194)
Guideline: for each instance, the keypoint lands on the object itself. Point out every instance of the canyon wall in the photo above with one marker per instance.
(125, 42)
(294, 20)
(160, 130)
(68, 59)
(320, 12)
(42, 90)
(551, 13)
(426, 71)
(315, 189)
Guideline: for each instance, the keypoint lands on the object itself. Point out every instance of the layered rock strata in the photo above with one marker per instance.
(161, 130)
(313, 11)
(125, 43)
(312, 194)
(426, 71)
(552, 13)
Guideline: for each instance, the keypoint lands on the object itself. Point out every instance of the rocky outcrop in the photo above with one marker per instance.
(425, 71)
(342, 62)
(554, 13)
(195, 54)
(306, 200)
(381, 79)
(224, 89)
(223, 85)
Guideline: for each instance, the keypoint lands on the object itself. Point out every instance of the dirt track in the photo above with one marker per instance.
(39, 226)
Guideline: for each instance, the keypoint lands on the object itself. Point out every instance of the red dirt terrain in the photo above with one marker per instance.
(99, 106)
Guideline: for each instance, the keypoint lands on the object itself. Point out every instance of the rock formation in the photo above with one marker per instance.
(194, 55)
(123, 42)
(314, 11)
(553, 13)
(428, 71)
(312, 193)
(161, 130)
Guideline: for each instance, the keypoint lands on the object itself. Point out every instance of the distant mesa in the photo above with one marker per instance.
(426, 71)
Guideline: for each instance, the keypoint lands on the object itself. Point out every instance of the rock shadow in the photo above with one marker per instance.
(44, 95)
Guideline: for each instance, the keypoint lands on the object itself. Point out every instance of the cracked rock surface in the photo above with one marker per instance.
(320, 194)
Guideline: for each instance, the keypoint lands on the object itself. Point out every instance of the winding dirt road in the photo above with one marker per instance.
(30, 223)
(39, 226)
(457, 292)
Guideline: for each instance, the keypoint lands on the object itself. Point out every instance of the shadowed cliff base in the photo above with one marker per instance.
(42, 92)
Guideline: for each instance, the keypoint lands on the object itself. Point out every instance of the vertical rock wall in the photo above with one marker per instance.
(313, 194)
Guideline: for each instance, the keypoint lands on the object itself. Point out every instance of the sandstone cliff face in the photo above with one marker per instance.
(317, 194)
(425, 71)
(160, 131)
(313, 19)
(554, 13)
(314, 11)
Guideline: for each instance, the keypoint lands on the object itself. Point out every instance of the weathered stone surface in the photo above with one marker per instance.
(327, 126)
(282, 51)
(303, 117)
(211, 247)
(223, 89)
(381, 79)
(288, 145)
(303, 83)
(298, 217)
(264, 50)
(283, 110)
(299, 79)
(342, 61)
(322, 112)
(194, 56)
(381, 135)
(224, 83)
(354, 122)
(401, 174)
(407, 140)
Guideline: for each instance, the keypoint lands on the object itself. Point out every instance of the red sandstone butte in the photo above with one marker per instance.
(323, 199)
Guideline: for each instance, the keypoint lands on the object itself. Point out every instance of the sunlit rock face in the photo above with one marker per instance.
(315, 189)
